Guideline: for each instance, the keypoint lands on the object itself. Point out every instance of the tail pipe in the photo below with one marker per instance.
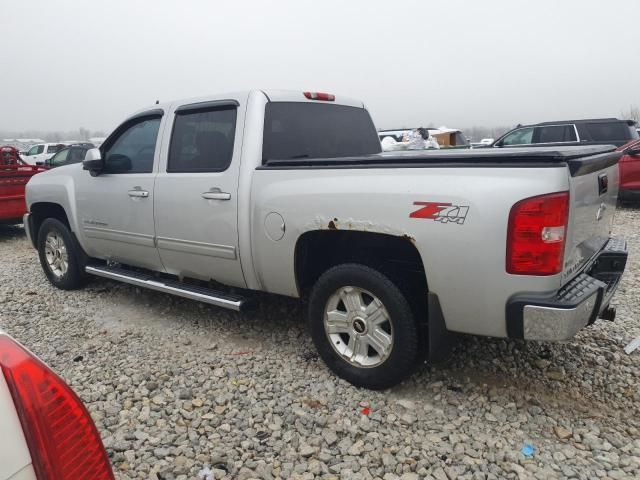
(609, 313)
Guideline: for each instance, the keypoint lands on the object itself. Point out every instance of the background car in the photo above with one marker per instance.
(596, 131)
(38, 153)
(47, 432)
(68, 155)
(629, 165)
(446, 137)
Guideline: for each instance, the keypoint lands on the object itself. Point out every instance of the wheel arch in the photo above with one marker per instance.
(393, 255)
(40, 211)
(396, 256)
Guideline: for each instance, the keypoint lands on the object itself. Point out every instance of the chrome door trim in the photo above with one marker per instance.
(119, 236)
(196, 248)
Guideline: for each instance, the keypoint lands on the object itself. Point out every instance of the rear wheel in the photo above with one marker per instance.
(363, 326)
(61, 257)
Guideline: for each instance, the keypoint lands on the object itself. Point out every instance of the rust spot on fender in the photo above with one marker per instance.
(333, 223)
(409, 237)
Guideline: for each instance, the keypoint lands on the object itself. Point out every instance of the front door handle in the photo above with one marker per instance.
(216, 194)
(138, 193)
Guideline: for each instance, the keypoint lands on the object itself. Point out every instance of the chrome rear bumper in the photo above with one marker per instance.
(560, 315)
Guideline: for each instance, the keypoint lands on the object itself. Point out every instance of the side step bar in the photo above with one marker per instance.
(192, 292)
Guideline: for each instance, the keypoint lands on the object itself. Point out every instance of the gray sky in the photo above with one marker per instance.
(73, 63)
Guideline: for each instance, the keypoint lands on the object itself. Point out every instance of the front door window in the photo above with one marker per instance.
(59, 158)
(133, 150)
(522, 136)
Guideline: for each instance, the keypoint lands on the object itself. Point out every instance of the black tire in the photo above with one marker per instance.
(74, 277)
(405, 338)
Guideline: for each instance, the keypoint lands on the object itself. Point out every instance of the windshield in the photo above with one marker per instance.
(317, 130)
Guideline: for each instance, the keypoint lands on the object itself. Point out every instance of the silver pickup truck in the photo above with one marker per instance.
(289, 193)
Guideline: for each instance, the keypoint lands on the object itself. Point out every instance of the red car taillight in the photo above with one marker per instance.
(536, 235)
(62, 438)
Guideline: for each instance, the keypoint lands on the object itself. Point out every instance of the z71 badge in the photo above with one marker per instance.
(441, 212)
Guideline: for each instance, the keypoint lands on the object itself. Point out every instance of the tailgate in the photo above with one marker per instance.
(593, 188)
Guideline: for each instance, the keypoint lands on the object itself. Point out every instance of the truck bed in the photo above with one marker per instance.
(580, 159)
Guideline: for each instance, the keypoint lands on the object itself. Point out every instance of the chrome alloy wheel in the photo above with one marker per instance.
(56, 253)
(358, 327)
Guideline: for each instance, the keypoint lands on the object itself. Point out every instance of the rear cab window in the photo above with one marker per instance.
(296, 130)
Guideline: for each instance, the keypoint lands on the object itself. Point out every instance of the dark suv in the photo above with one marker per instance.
(72, 154)
(609, 131)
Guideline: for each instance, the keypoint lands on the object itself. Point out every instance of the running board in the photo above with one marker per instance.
(192, 292)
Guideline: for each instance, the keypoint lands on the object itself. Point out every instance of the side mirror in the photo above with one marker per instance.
(93, 160)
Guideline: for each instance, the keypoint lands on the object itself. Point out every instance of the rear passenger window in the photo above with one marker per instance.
(76, 155)
(556, 134)
(609, 131)
(202, 140)
(54, 148)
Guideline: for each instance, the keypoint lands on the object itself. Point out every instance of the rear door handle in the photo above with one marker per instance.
(216, 194)
(138, 193)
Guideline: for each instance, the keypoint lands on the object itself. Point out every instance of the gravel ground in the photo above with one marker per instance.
(176, 387)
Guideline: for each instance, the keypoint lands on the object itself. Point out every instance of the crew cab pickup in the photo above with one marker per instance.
(289, 193)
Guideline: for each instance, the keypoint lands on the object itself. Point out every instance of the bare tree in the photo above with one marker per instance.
(83, 133)
(632, 114)
(477, 133)
(52, 135)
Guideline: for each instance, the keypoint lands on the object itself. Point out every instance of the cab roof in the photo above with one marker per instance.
(271, 95)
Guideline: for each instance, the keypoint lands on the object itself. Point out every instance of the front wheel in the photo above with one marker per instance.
(60, 255)
(363, 326)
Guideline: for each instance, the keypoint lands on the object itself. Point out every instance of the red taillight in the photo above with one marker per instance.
(62, 438)
(536, 235)
(325, 97)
